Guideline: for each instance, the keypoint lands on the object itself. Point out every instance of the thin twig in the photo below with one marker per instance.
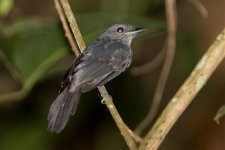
(200, 7)
(66, 28)
(149, 66)
(197, 79)
(152, 64)
(171, 46)
(8, 64)
(125, 131)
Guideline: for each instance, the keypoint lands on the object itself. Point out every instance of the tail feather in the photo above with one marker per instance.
(65, 105)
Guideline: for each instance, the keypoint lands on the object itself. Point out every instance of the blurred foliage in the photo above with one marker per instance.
(28, 44)
(144, 6)
(5, 7)
(32, 46)
(35, 139)
(220, 113)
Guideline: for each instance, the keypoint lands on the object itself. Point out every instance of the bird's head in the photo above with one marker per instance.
(123, 32)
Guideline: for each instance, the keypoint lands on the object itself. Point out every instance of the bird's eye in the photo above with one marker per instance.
(119, 30)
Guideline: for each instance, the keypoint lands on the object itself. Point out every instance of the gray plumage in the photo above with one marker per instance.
(99, 63)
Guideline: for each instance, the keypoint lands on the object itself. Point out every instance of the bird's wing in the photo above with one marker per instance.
(66, 81)
(89, 75)
(95, 71)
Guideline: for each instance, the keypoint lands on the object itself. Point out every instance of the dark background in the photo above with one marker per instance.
(23, 121)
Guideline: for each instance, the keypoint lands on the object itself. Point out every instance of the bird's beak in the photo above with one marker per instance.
(139, 29)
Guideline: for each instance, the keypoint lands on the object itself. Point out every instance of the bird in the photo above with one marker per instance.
(104, 59)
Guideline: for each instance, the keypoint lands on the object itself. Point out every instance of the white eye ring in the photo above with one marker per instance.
(119, 30)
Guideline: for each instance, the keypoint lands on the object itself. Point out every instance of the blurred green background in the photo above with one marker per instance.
(34, 55)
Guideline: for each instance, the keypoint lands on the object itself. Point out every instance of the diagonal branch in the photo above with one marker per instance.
(198, 78)
(128, 135)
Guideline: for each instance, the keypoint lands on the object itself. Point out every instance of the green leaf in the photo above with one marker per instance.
(32, 47)
(5, 7)
(220, 113)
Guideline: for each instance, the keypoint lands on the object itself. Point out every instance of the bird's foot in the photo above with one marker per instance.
(106, 98)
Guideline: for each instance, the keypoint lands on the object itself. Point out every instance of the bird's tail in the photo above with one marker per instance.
(61, 109)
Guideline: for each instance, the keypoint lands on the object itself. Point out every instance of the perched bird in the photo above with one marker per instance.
(99, 63)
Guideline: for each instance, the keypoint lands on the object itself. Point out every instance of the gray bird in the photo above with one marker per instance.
(99, 63)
